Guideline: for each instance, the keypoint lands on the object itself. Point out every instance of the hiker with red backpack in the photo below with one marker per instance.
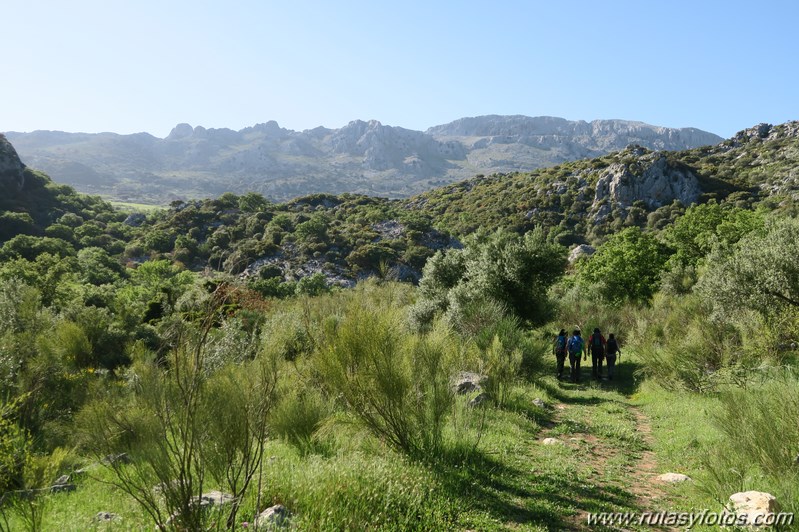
(576, 348)
(559, 346)
(613, 349)
(596, 346)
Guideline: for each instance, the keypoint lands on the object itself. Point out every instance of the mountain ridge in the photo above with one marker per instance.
(361, 157)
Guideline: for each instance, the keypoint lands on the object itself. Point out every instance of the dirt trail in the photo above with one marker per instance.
(639, 480)
(649, 493)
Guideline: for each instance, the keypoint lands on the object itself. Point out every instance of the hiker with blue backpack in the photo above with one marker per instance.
(576, 348)
(560, 351)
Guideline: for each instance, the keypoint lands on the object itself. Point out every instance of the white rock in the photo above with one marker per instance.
(551, 441)
(755, 505)
(274, 516)
(673, 478)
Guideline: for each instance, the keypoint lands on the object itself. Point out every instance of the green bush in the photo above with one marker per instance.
(298, 416)
(395, 383)
(759, 446)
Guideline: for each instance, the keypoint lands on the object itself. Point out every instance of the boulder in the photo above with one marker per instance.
(467, 382)
(479, 399)
(755, 505)
(105, 517)
(213, 498)
(583, 250)
(276, 516)
(673, 478)
(551, 441)
(62, 488)
(60, 481)
(539, 402)
(135, 219)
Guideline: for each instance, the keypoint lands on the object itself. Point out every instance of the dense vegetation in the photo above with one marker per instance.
(211, 345)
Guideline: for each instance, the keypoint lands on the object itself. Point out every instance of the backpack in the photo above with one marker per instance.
(613, 347)
(561, 345)
(575, 345)
(596, 342)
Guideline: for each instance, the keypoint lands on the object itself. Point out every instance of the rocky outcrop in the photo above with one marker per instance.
(581, 251)
(12, 171)
(647, 177)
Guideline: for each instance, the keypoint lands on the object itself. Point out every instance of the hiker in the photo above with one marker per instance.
(612, 350)
(576, 347)
(596, 346)
(560, 351)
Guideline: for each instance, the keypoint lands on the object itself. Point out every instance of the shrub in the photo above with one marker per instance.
(395, 383)
(758, 448)
(182, 423)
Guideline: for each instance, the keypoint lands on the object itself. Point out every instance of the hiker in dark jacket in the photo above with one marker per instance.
(596, 346)
(559, 346)
(576, 348)
(613, 349)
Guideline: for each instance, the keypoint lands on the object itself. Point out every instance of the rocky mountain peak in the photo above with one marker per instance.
(180, 131)
(12, 171)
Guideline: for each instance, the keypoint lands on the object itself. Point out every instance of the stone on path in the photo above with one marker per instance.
(755, 505)
(551, 441)
(673, 478)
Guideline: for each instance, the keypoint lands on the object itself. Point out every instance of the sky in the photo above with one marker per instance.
(132, 66)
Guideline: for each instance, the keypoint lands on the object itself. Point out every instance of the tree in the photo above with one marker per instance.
(500, 267)
(760, 272)
(626, 267)
(98, 267)
(693, 235)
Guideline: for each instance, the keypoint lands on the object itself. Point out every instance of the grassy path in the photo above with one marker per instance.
(602, 461)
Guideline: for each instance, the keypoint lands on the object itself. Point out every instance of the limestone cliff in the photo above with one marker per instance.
(649, 177)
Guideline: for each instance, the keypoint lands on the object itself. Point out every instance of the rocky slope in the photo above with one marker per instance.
(12, 171)
(361, 157)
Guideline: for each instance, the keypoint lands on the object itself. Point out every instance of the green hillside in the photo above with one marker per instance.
(351, 362)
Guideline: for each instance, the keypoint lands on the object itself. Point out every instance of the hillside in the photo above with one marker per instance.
(197, 368)
(349, 237)
(361, 157)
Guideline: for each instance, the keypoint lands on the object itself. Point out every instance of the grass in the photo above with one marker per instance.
(509, 481)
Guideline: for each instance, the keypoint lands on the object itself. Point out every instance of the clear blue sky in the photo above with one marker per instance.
(130, 66)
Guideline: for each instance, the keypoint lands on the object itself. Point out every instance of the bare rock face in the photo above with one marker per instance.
(651, 178)
(581, 251)
(12, 171)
